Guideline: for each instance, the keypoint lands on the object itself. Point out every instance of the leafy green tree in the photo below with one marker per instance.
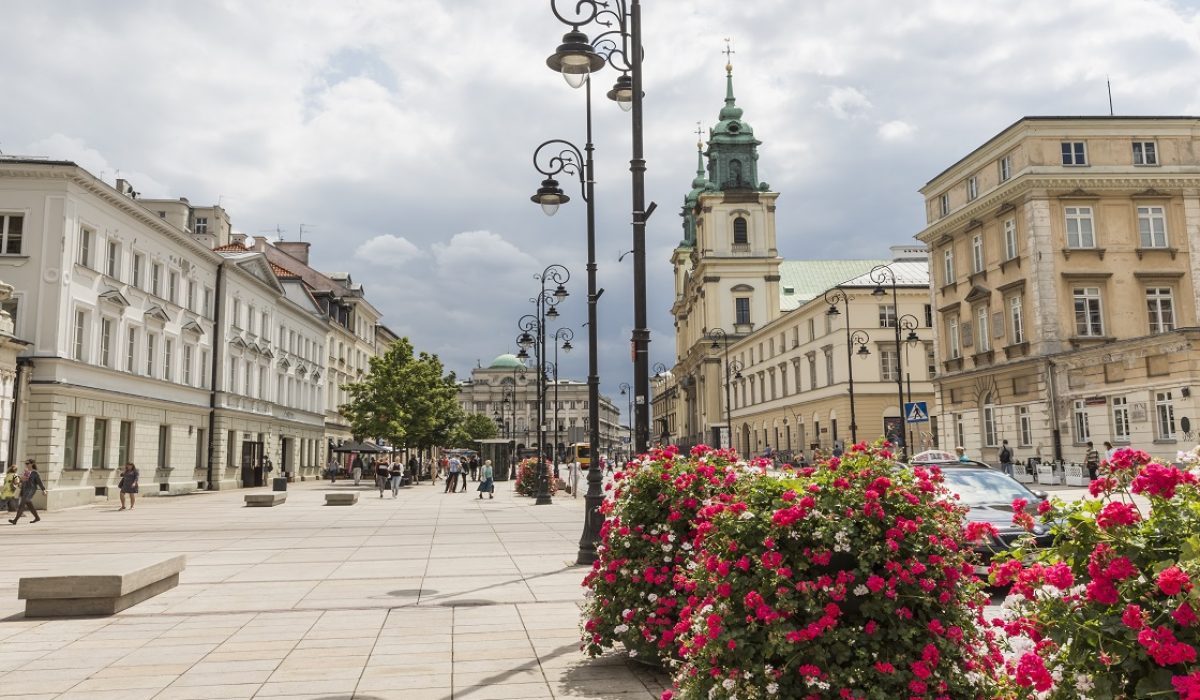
(475, 426)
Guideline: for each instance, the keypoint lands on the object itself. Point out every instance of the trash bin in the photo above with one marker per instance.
(279, 483)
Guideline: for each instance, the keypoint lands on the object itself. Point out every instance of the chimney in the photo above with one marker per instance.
(296, 249)
(125, 188)
(238, 237)
(260, 244)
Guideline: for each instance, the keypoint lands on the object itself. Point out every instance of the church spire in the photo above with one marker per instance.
(732, 149)
(731, 110)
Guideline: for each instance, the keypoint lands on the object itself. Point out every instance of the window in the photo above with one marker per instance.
(1145, 153)
(981, 330)
(233, 374)
(78, 337)
(124, 440)
(1074, 153)
(812, 372)
(151, 341)
(71, 444)
(1088, 318)
(173, 287)
(930, 361)
(828, 367)
(1080, 233)
(156, 280)
(1120, 419)
(972, 187)
(100, 444)
(262, 383)
(948, 266)
(204, 369)
(1083, 431)
(977, 253)
(953, 341)
(929, 315)
(191, 295)
(12, 228)
(266, 326)
(164, 446)
(1005, 168)
(1016, 320)
(187, 365)
(740, 236)
(112, 259)
(989, 424)
(1025, 426)
(236, 319)
(889, 365)
(131, 351)
(1010, 239)
(85, 246)
(168, 353)
(960, 430)
(1152, 227)
(139, 263)
(887, 316)
(201, 225)
(206, 311)
(106, 331)
(246, 379)
(1160, 310)
(1164, 415)
(742, 310)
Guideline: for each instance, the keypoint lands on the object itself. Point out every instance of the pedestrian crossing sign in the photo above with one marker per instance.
(916, 412)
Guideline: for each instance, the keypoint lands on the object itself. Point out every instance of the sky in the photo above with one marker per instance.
(397, 135)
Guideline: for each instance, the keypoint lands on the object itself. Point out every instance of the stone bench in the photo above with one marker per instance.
(265, 500)
(99, 586)
(344, 498)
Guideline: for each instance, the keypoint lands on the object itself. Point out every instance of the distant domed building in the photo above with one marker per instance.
(506, 391)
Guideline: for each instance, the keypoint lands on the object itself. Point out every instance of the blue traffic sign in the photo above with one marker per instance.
(916, 412)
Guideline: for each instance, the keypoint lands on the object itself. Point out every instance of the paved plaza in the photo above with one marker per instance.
(428, 596)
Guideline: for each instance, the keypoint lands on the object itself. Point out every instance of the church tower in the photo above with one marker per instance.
(726, 267)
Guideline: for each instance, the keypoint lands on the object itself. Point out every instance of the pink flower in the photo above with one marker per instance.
(1184, 615)
(1172, 580)
(1133, 617)
(1161, 645)
(1187, 686)
(1117, 513)
(1158, 480)
(1032, 673)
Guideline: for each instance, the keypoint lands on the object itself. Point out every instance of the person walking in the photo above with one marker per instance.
(1006, 458)
(1091, 460)
(397, 477)
(333, 470)
(414, 470)
(486, 484)
(383, 476)
(1109, 451)
(31, 481)
(453, 468)
(356, 468)
(474, 468)
(128, 485)
(9, 489)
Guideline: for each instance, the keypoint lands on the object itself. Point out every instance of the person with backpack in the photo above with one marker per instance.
(1006, 458)
(31, 481)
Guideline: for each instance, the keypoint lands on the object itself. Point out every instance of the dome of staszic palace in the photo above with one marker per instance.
(506, 361)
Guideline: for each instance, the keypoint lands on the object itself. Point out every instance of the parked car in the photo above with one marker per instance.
(933, 456)
(988, 495)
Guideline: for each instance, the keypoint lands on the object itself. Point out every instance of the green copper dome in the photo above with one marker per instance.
(732, 148)
(506, 361)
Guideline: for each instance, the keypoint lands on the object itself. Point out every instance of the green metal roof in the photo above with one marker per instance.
(808, 279)
(506, 361)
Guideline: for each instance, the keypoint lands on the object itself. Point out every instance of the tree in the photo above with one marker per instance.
(474, 427)
(404, 399)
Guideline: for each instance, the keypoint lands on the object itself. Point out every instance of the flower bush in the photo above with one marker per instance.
(527, 478)
(851, 579)
(1110, 611)
(638, 582)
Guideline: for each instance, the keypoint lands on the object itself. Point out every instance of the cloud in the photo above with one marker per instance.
(896, 131)
(847, 103)
(480, 252)
(388, 250)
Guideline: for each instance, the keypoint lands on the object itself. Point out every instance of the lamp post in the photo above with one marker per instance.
(720, 341)
(908, 323)
(662, 376)
(881, 274)
(576, 58)
(833, 297)
(546, 303)
(565, 336)
(627, 392)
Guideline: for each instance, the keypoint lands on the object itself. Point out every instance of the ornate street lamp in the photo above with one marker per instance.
(533, 333)
(833, 297)
(733, 370)
(910, 324)
(881, 274)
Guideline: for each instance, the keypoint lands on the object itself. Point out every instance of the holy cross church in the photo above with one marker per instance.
(760, 360)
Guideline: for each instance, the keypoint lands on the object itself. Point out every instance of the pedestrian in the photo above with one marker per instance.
(1006, 458)
(356, 468)
(383, 476)
(9, 489)
(464, 471)
(31, 481)
(1109, 451)
(397, 477)
(474, 468)
(453, 467)
(801, 460)
(333, 470)
(414, 470)
(961, 454)
(128, 485)
(487, 485)
(1091, 460)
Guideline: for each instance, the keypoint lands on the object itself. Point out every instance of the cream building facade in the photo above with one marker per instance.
(1065, 255)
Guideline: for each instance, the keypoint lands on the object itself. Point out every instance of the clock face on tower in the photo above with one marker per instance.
(734, 127)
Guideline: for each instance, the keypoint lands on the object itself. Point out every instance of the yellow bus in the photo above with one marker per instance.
(581, 453)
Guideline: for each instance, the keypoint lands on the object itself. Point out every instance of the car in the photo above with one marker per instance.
(933, 456)
(988, 495)
(952, 461)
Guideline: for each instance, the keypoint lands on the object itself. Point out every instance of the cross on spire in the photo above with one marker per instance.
(699, 135)
(728, 55)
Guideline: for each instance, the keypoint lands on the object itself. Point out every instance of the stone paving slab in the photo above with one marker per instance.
(429, 596)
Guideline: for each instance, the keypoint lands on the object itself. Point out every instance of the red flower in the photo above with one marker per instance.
(1187, 686)
(1133, 617)
(1172, 580)
(1158, 480)
(1032, 673)
(1161, 645)
(1117, 513)
(1184, 615)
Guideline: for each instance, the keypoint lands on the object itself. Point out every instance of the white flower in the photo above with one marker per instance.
(686, 546)
(746, 515)
(861, 590)
(653, 597)
(1084, 683)
(772, 688)
(633, 652)
(727, 684)
(620, 629)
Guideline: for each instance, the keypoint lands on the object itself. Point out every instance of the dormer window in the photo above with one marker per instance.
(740, 234)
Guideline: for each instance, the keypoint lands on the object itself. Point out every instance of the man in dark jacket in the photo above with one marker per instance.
(31, 481)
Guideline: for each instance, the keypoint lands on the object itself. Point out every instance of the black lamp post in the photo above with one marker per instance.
(909, 324)
(833, 297)
(565, 335)
(576, 58)
(627, 392)
(662, 376)
(881, 274)
(546, 303)
(720, 341)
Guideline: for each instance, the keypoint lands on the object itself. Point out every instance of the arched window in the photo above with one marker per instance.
(740, 237)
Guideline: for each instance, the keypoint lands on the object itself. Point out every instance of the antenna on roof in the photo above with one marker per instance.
(310, 227)
(1109, 84)
(279, 231)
